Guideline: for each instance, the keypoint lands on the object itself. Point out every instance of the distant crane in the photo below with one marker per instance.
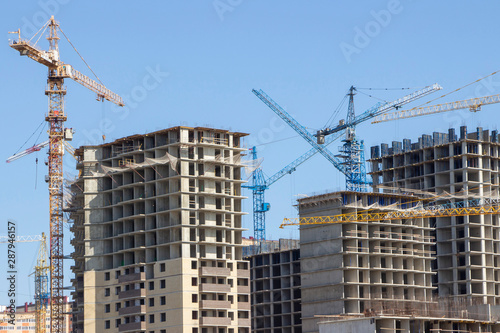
(473, 104)
(41, 278)
(41, 286)
(57, 72)
(358, 181)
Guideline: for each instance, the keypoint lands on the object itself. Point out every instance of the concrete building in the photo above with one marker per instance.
(361, 268)
(275, 287)
(25, 319)
(456, 168)
(158, 234)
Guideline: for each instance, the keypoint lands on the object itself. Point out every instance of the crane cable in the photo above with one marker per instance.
(336, 111)
(380, 99)
(390, 88)
(80, 55)
(453, 91)
(43, 26)
(22, 146)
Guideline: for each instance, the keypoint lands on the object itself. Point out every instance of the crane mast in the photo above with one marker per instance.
(41, 287)
(56, 117)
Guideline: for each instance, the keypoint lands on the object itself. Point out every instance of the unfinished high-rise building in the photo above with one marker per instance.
(275, 286)
(360, 268)
(461, 170)
(158, 234)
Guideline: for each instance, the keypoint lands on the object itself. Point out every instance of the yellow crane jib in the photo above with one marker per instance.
(392, 215)
(473, 104)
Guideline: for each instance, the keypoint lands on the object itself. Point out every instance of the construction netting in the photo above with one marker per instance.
(166, 159)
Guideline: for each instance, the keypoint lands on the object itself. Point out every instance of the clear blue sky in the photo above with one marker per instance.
(208, 55)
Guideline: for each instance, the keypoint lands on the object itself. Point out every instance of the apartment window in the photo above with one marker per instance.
(163, 300)
(117, 290)
(152, 285)
(193, 264)
(195, 330)
(106, 276)
(107, 292)
(118, 322)
(194, 298)
(107, 308)
(162, 284)
(118, 306)
(162, 267)
(163, 331)
(194, 281)
(151, 301)
(107, 324)
(163, 316)
(117, 274)
(195, 315)
(151, 319)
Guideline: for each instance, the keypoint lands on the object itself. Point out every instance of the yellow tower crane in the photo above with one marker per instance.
(41, 286)
(57, 72)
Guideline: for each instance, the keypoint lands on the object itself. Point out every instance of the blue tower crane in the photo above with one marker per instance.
(351, 162)
(352, 166)
(260, 184)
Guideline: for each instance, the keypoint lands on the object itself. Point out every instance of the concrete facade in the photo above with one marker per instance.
(354, 267)
(157, 225)
(456, 167)
(406, 325)
(276, 291)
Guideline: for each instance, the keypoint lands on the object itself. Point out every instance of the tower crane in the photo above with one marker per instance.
(41, 278)
(353, 164)
(260, 184)
(473, 104)
(56, 117)
(41, 286)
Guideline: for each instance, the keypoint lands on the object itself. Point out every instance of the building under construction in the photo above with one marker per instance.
(427, 274)
(275, 286)
(455, 168)
(158, 234)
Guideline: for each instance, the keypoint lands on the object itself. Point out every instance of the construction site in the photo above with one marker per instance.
(169, 231)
